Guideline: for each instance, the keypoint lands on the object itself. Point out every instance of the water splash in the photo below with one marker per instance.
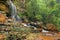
(13, 11)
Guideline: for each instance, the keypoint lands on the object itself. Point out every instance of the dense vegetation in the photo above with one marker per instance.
(36, 13)
(46, 11)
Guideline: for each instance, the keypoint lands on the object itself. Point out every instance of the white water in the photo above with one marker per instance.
(13, 11)
(44, 30)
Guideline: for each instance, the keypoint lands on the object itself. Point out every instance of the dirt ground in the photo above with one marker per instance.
(43, 36)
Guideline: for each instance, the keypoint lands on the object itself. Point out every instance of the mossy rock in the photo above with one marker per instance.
(3, 7)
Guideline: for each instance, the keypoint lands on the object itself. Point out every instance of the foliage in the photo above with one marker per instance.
(46, 11)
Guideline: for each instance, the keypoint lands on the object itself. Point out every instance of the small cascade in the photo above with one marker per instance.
(13, 11)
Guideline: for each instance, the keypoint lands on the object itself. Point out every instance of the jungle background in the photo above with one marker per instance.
(40, 14)
(46, 11)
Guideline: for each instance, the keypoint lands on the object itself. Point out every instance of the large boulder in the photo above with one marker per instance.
(3, 5)
(51, 27)
(2, 18)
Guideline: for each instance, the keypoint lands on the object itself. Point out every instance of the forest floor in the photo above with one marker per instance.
(42, 36)
(24, 33)
(36, 36)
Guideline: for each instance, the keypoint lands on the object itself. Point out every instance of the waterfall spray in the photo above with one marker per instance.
(13, 11)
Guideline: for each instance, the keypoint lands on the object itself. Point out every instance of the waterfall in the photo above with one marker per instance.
(13, 11)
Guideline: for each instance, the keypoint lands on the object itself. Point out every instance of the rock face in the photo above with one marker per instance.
(3, 10)
(3, 7)
(51, 27)
(2, 18)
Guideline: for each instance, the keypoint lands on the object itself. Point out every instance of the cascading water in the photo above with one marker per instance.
(13, 11)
